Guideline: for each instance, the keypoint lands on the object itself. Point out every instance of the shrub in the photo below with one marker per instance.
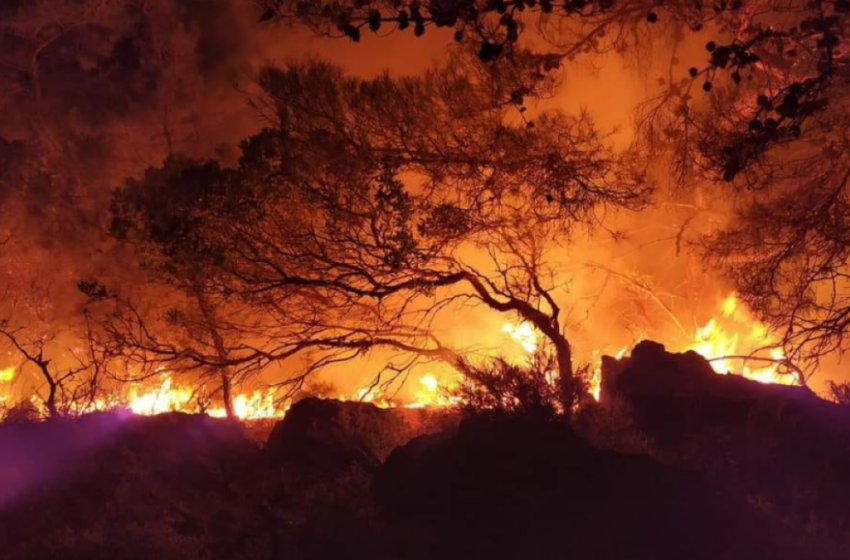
(499, 387)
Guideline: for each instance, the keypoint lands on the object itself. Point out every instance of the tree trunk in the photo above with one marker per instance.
(50, 402)
(226, 393)
(566, 380)
(221, 351)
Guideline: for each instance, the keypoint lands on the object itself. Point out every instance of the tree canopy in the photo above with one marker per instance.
(364, 210)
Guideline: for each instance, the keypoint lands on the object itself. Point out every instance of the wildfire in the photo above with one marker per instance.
(166, 397)
(6, 376)
(595, 384)
(255, 406)
(734, 342)
(736, 337)
(432, 393)
(524, 334)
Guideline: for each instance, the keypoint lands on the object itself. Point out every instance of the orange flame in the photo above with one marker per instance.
(734, 342)
(6, 376)
(736, 338)
(432, 393)
(167, 398)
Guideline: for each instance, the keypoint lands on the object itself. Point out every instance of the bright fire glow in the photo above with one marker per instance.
(255, 406)
(595, 385)
(733, 341)
(166, 397)
(524, 334)
(725, 340)
(737, 333)
(527, 336)
(6, 376)
(431, 393)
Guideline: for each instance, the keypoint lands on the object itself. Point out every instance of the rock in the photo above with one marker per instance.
(527, 489)
(652, 371)
(325, 437)
(783, 448)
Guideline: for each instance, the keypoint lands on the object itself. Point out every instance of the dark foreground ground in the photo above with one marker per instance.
(680, 464)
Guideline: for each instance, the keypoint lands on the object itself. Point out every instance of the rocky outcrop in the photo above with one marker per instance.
(651, 371)
(325, 437)
(783, 448)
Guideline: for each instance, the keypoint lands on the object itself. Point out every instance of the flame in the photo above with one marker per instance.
(724, 340)
(256, 406)
(432, 393)
(733, 341)
(528, 337)
(595, 384)
(524, 334)
(166, 397)
(6, 376)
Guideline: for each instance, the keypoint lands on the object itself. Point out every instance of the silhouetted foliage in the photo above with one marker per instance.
(787, 255)
(840, 392)
(500, 388)
(779, 64)
(774, 129)
(342, 227)
(492, 26)
(60, 390)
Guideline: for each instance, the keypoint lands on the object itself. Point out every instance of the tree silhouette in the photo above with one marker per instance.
(368, 208)
(778, 64)
(63, 390)
(787, 255)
